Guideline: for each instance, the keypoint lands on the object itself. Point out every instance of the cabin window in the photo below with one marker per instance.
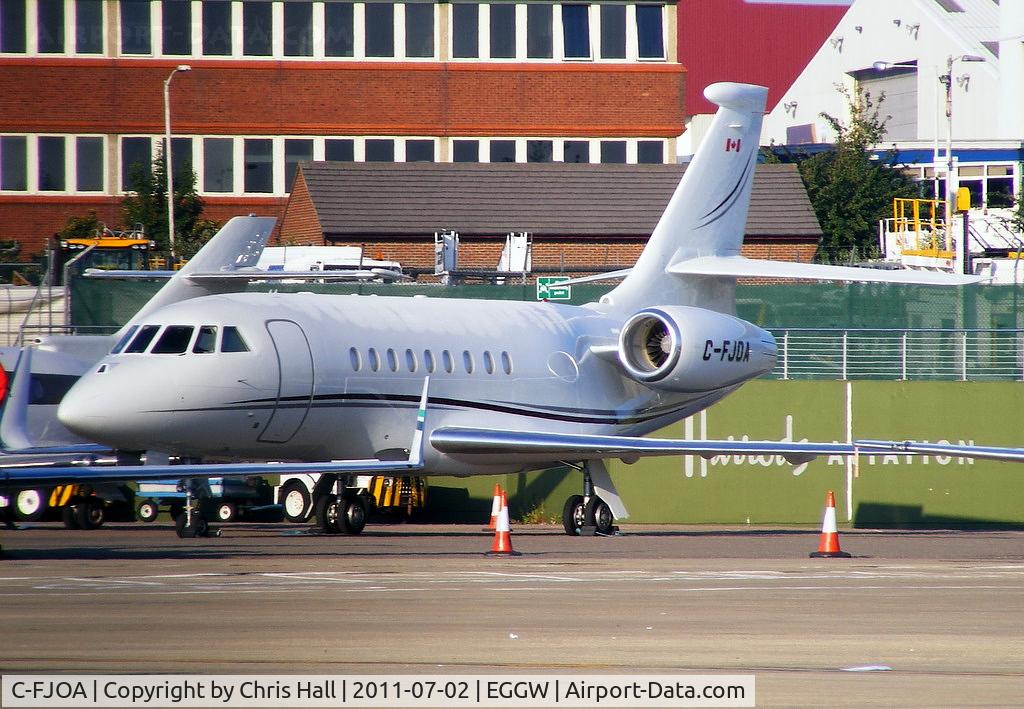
(488, 362)
(233, 340)
(355, 359)
(428, 361)
(446, 357)
(124, 339)
(467, 361)
(374, 360)
(174, 340)
(410, 360)
(392, 360)
(506, 362)
(206, 340)
(142, 340)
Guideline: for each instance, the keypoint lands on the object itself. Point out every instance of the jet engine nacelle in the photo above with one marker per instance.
(686, 349)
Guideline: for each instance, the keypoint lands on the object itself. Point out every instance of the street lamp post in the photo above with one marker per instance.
(947, 81)
(167, 156)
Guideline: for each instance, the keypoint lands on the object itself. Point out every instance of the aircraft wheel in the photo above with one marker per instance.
(176, 510)
(327, 514)
(68, 516)
(353, 521)
(227, 512)
(573, 515)
(30, 505)
(147, 511)
(199, 527)
(90, 514)
(601, 514)
(295, 501)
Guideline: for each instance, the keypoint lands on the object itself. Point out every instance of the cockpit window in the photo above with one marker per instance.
(174, 340)
(142, 340)
(124, 340)
(233, 340)
(206, 341)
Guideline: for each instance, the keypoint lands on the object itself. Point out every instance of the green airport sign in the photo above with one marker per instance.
(548, 288)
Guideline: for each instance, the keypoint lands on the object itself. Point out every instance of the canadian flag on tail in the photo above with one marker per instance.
(732, 144)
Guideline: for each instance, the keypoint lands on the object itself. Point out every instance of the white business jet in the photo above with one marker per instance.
(343, 384)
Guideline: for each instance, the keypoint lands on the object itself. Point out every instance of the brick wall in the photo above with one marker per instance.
(364, 98)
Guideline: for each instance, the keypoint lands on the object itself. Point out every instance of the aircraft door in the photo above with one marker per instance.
(295, 381)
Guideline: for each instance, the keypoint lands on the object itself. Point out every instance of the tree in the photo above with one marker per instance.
(146, 205)
(850, 190)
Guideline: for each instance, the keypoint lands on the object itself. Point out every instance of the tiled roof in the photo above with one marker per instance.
(546, 199)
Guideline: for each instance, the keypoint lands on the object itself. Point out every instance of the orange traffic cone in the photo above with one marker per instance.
(495, 509)
(502, 545)
(828, 548)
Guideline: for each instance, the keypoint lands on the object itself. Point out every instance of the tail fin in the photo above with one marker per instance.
(707, 214)
(237, 245)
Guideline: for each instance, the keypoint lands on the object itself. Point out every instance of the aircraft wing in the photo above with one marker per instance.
(248, 275)
(540, 446)
(1013, 455)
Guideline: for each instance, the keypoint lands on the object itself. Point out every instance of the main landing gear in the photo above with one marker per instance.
(190, 522)
(588, 514)
(340, 509)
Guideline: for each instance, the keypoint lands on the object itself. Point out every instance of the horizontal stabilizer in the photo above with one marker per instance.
(1012, 455)
(539, 446)
(741, 267)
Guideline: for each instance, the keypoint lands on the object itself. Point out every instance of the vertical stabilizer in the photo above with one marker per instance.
(707, 214)
(237, 245)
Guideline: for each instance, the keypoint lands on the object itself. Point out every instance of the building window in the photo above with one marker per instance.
(338, 29)
(177, 26)
(298, 29)
(51, 163)
(12, 26)
(50, 26)
(135, 37)
(465, 30)
(136, 160)
(650, 42)
(340, 150)
(576, 151)
(257, 29)
(181, 160)
(13, 162)
(419, 151)
(503, 31)
(466, 151)
(503, 151)
(89, 164)
(259, 165)
(380, 150)
(613, 31)
(296, 150)
(217, 29)
(650, 151)
(576, 31)
(538, 31)
(419, 30)
(539, 150)
(89, 26)
(613, 151)
(380, 29)
(218, 165)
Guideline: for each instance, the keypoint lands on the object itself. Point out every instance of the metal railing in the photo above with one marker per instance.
(936, 354)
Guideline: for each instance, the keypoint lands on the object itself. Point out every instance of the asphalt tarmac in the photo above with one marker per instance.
(915, 618)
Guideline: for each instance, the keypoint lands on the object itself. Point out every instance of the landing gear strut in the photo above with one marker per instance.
(587, 514)
(340, 510)
(191, 523)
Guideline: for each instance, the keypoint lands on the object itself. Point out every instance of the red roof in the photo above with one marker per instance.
(759, 43)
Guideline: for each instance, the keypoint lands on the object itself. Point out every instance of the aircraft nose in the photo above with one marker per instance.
(85, 409)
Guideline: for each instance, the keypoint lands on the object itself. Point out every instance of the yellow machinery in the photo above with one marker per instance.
(108, 250)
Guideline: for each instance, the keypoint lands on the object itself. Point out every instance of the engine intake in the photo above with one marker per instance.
(681, 348)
